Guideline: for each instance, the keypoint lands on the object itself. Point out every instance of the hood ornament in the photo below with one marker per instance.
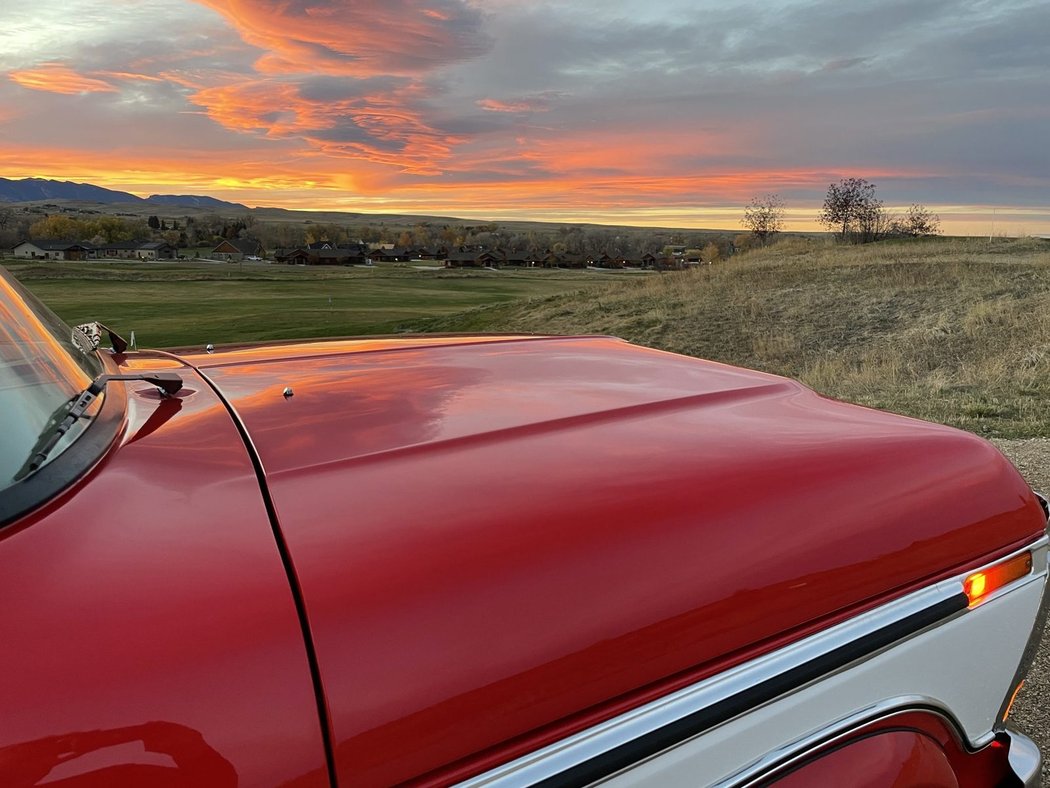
(209, 348)
(288, 392)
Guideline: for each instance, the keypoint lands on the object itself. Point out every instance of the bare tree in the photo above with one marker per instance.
(764, 216)
(851, 208)
(920, 221)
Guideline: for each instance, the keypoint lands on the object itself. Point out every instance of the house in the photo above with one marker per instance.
(462, 260)
(137, 250)
(384, 255)
(320, 256)
(338, 256)
(297, 256)
(486, 258)
(492, 259)
(54, 250)
(523, 259)
(239, 249)
(605, 260)
(156, 250)
(120, 250)
(660, 261)
(555, 260)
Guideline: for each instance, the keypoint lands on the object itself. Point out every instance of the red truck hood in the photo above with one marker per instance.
(540, 525)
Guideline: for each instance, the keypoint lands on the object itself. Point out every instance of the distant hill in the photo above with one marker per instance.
(195, 201)
(33, 189)
(37, 189)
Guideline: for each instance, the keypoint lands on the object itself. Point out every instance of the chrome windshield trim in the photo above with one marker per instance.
(602, 750)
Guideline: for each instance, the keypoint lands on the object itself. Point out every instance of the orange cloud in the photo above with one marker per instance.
(521, 105)
(379, 127)
(360, 38)
(59, 78)
(392, 42)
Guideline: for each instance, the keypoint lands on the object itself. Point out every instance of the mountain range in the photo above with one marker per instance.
(36, 189)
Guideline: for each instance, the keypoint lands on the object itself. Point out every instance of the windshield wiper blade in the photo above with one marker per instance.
(58, 425)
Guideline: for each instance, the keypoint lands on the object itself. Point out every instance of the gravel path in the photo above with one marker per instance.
(1031, 712)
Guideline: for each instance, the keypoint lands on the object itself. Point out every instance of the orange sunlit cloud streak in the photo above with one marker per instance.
(59, 78)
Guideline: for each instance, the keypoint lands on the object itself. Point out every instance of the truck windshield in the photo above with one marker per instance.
(41, 370)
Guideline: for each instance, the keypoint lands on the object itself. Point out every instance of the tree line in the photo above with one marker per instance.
(851, 210)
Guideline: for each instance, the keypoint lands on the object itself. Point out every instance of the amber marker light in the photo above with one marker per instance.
(980, 584)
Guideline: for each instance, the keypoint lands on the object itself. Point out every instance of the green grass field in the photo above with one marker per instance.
(956, 331)
(186, 304)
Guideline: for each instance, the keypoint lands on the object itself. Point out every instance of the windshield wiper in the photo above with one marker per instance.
(63, 420)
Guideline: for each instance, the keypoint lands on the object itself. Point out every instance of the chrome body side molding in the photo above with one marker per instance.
(635, 737)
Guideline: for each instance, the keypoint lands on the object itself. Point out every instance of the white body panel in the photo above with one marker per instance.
(963, 667)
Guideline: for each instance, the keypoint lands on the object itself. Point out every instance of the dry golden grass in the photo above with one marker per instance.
(955, 330)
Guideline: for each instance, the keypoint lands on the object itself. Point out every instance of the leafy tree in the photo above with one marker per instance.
(153, 222)
(852, 208)
(58, 228)
(764, 216)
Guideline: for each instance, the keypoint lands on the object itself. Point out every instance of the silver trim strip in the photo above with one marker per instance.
(556, 759)
(790, 754)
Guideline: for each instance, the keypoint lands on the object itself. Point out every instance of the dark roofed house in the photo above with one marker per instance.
(297, 256)
(157, 250)
(329, 256)
(555, 260)
(383, 255)
(336, 257)
(238, 249)
(492, 259)
(54, 250)
(475, 259)
(119, 250)
(523, 259)
(605, 260)
(462, 260)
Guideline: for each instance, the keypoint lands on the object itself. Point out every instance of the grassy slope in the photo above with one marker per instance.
(956, 331)
(193, 304)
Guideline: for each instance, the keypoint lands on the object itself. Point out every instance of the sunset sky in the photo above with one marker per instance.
(658, 112)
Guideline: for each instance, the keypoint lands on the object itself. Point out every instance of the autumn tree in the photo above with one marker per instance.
(764, 216)
(852, 209)
(57, 227)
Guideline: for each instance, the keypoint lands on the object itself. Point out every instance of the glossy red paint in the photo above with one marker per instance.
(898, 759)
(500, 542)
(912, 749)
(149, 633)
